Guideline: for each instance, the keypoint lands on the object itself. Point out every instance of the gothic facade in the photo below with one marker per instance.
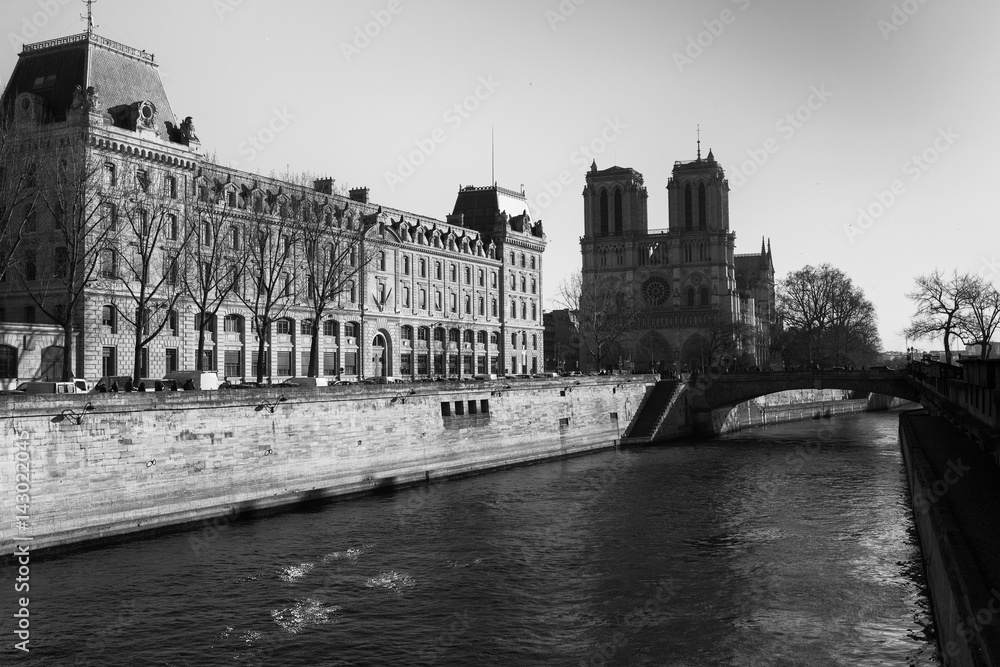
(696, 302)
(433, 298)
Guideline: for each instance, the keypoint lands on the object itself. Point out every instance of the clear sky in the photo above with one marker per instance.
(817, 110)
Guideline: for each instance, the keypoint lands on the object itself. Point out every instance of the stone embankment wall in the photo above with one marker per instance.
(145, 461)
(789, 406)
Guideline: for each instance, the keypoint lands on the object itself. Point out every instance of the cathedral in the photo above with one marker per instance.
(694, 303)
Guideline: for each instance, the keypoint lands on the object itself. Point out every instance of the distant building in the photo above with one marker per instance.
(692, 291)
(453, 297)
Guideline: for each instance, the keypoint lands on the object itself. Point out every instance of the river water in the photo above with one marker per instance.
(790, 545)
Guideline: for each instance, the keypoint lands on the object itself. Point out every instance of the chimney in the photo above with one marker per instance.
(324, 186)
(359, 195)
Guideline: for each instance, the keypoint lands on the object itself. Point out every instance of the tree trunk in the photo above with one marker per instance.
(314, 352)
(260, 355)
(67, 372)
(199, 357)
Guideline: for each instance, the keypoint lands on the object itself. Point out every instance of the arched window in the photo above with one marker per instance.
(453, 335)
(330, 328)
(423, 334)
(705, 297)
(618, 211)
(351, 330)
(467, 336)
(232, 324)
(108, 318)
(494, 338)
(407, 332)
(688, 213)
(690, 296)
(439, 334)
(702, 207)
(306, 327)
(468, 304)
(604, 214)
(481, 337)
(482, 306)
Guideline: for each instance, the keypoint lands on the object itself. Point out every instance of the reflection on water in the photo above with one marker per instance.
(786, 546)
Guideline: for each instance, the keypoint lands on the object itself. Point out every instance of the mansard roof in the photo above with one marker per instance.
(120, 74)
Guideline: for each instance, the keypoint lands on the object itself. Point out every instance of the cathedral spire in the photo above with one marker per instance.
(699, 143)
(762, 250)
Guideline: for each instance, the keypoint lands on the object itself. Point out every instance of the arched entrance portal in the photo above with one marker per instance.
(381, 355)
(653, 354)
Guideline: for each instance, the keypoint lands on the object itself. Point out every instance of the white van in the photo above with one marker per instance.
(204, 380)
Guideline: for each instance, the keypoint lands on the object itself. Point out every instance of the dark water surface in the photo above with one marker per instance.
(791, 545)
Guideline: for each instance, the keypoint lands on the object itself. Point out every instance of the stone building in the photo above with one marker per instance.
(697, 302)
(454, 297)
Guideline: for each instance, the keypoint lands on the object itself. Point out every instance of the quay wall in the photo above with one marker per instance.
(788, 406)
(964, 605)
(146, 461)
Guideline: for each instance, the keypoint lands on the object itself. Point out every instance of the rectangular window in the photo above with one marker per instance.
(406, 364)
(329, 363)
(108, 365)
(233, 363)
(351, 363)
(264, 366)
(422, 364)
(170, 187)
(171, 359)
(208, 360)
(284, 363)
(142, 179)
(172, 322)
(306, 358)
(171, 226)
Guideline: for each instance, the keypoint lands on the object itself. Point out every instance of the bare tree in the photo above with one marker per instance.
(20, 160)
(940, 302)
(727, 339)
(336, 251)
(827, 318)
(979, 323)
(211, 261)
(145, 259)
(605, 310)
(70, 227)
(269, 265)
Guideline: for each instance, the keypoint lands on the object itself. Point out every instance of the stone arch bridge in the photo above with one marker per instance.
(700, 405)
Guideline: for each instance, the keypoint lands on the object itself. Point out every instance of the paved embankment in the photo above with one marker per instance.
(955, 489)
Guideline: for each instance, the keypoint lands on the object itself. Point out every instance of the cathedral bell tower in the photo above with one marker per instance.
(699, 196)
(614, 203)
